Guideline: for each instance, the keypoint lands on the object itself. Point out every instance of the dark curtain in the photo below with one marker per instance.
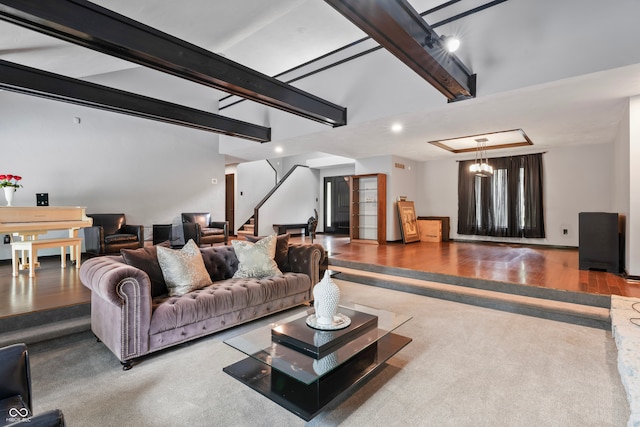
(491, 206)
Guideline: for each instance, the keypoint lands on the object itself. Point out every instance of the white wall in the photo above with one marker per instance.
(621, 174)
(438, 190)
(253, 181)
(400, 182)
(576, 179)
(293, 202)
(108, 162)
(633, 218)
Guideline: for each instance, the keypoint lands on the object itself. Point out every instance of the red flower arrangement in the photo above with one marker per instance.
(10, 181)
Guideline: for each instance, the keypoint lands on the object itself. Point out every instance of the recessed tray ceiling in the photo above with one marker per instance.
(492, 141)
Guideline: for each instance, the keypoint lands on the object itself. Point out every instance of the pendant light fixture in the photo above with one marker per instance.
(481, 166)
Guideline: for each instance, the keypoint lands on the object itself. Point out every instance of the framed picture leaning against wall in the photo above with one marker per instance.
(408, 222)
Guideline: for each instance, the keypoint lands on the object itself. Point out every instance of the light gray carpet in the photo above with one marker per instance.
(466, 366)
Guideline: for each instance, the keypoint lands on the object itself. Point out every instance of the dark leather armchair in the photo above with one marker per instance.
(16, 406)
(199, 227)
(110, 233)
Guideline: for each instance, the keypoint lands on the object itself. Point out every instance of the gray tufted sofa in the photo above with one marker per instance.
(133, 317)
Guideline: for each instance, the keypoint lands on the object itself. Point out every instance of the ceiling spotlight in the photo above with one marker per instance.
(278, 149)
(450, 43)
(396, 128)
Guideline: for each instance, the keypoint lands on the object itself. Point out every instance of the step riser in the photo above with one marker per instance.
(44, 325)
(603, 301)
(600, 322)
(44, 317)
(36, 334)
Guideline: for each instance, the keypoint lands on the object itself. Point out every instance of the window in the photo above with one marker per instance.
(507, 204)
(328, 206)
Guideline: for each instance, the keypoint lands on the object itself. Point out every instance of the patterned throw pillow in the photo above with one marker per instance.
(256, 259)
(183, 269)
(282, 249)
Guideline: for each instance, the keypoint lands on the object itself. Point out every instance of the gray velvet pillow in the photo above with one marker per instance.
(256, 259)
(183, 269)
(146, 260)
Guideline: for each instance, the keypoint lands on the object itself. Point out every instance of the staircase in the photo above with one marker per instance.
(247, 228)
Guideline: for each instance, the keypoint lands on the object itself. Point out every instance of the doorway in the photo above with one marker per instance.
(230, 201)
(336, 205)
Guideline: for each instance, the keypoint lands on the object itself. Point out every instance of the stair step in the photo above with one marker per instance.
(39, 333)
(571, 312)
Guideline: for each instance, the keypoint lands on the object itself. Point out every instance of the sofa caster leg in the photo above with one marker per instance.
(126, 365)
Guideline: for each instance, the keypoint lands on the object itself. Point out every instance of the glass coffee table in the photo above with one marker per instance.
(303, 369)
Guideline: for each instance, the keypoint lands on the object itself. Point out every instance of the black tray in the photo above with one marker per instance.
(315, 343)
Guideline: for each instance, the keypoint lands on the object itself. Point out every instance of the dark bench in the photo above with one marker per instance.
(282, 228)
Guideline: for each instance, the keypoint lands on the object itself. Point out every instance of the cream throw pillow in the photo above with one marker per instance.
(183, 269)
(256, 259)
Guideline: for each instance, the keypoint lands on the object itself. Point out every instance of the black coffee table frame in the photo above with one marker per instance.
(306, 398)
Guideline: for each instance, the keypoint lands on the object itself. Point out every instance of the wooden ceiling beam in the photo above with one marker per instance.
(100, 29)
(31, 81)
(402, 31)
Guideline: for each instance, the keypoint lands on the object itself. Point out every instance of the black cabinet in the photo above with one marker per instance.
(601, 241)
(161, 233)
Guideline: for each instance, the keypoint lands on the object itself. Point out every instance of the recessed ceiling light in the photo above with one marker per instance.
(278, 149)
(396, 128)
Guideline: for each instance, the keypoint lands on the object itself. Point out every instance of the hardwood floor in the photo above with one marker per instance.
(52, 287)
(526, 265)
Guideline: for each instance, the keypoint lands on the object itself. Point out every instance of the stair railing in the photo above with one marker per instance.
(256, 210)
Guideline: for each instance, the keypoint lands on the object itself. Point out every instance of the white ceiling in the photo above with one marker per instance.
(558, 89)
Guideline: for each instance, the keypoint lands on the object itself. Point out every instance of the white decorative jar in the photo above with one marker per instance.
(326, 296)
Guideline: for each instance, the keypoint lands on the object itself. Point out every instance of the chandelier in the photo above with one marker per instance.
(481, 166)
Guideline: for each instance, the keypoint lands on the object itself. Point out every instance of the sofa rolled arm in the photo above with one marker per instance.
(307, 258)
(138, 230)
(120, 305)
(106, 275)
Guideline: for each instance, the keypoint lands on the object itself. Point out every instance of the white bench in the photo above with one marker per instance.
(32, 246)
